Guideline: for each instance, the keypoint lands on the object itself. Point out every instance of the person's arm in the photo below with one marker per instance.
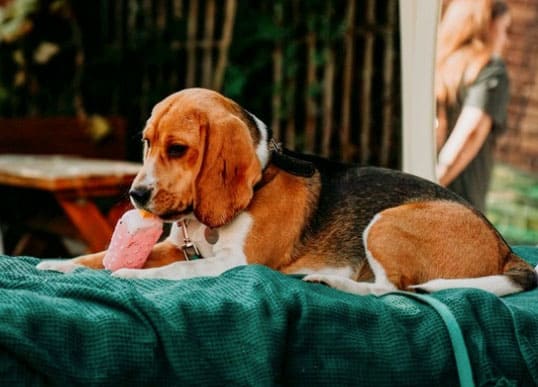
(469, 134)
(441, 130)
(484, 111)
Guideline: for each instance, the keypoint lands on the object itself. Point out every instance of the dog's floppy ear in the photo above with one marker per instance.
(228, 173)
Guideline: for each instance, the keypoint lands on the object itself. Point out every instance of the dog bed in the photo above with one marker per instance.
(255, 326)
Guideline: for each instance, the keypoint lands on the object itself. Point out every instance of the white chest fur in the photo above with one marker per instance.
(230, 241)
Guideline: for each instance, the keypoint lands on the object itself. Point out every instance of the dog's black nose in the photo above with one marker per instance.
(140, 194)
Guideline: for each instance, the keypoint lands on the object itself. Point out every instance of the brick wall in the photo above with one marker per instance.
(519, 146)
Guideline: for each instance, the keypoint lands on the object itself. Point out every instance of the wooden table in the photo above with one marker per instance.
(75, 182)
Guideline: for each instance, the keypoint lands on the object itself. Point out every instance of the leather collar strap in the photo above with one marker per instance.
(289, 161)
(190, 251)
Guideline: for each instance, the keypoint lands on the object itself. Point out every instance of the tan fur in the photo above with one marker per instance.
(418, 242)
(228, 173)
(270, 243)
(162, 254)
(93, 261)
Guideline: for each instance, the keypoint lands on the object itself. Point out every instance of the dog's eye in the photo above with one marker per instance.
(176, 150)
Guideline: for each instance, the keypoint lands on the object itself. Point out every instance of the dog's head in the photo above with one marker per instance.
(202, 154)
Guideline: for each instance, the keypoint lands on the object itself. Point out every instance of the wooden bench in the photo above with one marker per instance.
(61, 158)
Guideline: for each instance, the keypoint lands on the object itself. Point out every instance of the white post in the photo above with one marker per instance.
(418, 32)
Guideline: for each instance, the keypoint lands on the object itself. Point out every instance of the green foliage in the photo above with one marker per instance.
(287, 24)
(38, 47)
(61, 57)
(14, 19)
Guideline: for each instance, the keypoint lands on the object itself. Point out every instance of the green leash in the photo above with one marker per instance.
(463, 364)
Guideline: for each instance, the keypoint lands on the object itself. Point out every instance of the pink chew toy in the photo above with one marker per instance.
(134, 236)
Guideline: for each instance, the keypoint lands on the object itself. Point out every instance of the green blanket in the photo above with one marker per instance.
(250, 326)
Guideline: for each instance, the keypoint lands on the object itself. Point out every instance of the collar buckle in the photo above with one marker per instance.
(190, 251)
(275, 146)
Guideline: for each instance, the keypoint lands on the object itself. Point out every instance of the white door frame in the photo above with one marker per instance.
(418, 35)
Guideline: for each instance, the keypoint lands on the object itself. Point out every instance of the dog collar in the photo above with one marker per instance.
(190, 251)
(290, 161)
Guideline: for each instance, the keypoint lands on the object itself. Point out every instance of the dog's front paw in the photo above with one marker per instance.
(140, 273)
(130, 273)
(174, 271)
(61, 265)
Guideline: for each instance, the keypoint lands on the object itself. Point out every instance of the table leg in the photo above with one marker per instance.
(92, 225)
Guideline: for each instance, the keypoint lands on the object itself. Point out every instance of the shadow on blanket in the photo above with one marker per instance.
(250, 326)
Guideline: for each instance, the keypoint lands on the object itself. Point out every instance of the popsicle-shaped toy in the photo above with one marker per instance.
(135, 234)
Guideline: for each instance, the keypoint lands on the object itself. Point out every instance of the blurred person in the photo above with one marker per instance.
(472, 93)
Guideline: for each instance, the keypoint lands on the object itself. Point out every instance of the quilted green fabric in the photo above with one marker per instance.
(250, 326)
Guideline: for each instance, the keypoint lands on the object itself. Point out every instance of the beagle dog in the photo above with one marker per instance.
(212, 169)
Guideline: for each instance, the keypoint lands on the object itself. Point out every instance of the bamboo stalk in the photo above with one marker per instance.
(144, 100)
(192, 27)
(276, 102)
(291, 87)
(146, 83)
(328, 88)
(291, 131)
(160, 24)
(177, 13)
(290, 121)
(119, 17)
(388, 82)
(328, 98)
(132, 9)
(209, 32)
(177, 9)
(224, 44)
(366, 87)
(161, 16)
(146, 11)
(310, 103)
(346, 150)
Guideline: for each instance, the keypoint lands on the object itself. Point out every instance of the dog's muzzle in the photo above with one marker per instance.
(140, 195)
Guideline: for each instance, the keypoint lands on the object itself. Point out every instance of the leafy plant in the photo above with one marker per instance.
(40, 55)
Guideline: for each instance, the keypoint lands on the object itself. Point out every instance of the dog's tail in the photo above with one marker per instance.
(516, 276)
(520, 272)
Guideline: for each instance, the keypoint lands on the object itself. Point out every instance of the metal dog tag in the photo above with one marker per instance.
(211, 235)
